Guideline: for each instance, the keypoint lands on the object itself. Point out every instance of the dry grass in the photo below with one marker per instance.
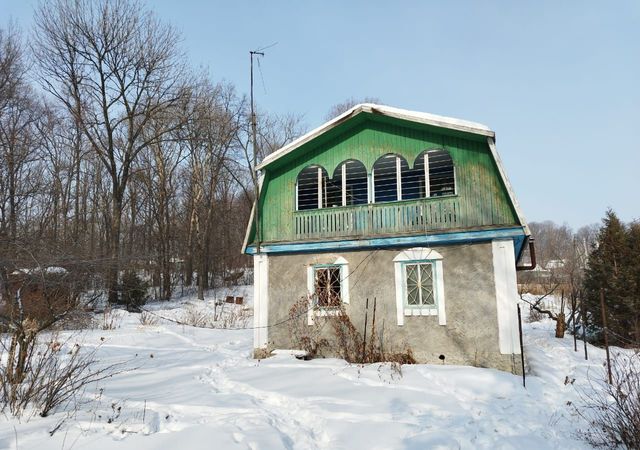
(148, 319)
(110, 319)
(54, 374)
(225, 316)
(197, 316)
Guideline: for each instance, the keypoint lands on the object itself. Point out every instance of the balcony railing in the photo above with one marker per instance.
(380, 219)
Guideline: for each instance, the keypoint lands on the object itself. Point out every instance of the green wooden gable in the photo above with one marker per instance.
(482, 199)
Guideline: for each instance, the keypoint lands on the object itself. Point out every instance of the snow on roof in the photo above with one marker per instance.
(411, 116)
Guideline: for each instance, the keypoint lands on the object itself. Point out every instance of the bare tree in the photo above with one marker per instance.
(161, 164)
(209, 137)
(12, 65)
(349, 103)
(117, 69)
(562, 256)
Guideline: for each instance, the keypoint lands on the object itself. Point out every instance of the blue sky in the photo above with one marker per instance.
(557, 81)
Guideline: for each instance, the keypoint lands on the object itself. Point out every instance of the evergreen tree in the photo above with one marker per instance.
(610, 269)
(633, 280)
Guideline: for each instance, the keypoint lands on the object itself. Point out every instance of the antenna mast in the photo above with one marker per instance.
(254, 172)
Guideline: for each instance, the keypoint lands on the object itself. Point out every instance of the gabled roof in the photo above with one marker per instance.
(433, 120)
(397, 113)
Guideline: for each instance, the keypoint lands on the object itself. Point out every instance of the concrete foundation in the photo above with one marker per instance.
(469, 337)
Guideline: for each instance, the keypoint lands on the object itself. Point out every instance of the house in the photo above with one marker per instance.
(412, 209)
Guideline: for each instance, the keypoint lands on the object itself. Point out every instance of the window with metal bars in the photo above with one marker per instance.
(327, 286)
(311, 188)
(433, 175)
(387, 178)
(442, 179)
(349, 186)
(355, 185)
(420, 290)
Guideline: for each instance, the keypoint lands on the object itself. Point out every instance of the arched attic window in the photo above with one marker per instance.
(387, 175)
(311, 188)
(350, 179)
(434, 174)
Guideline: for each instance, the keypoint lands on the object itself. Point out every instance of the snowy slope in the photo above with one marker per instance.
(199, 388)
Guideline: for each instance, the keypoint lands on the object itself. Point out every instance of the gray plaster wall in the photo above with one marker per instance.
(470, 336)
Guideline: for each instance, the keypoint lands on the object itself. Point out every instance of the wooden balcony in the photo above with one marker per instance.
(405, 217)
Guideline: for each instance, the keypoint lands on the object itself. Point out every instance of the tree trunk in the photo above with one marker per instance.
(560, 326)
(114, 250)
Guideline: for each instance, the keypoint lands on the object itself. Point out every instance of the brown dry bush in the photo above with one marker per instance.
(54, 373)
(197, 317)
(148, 319)
(352, 345)
(613, 410)
(236, 316)
(304, 336)
(535, 315)
(342, 337)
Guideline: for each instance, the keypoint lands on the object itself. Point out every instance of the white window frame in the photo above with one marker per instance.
(321, 188)
(398, 163)
(427, 178)
(416, 256)
(344, 289)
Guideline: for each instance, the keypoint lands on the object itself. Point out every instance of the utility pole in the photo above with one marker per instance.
(254, 172)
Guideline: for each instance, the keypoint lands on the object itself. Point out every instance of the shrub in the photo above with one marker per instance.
(197, 317)
(134, 291)
(148, 319)
(304, 336)
(352, 345)
(51, 375)
(236, 317)
(342, 337)
(535, 315)
(110, 319)
(613, 410)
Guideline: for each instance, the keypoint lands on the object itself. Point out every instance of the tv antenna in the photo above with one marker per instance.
(254, 138)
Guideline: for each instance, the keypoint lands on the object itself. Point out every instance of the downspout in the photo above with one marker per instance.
(532, 255)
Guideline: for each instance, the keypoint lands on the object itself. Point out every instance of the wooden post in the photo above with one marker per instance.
(584, 325)
(606, 333)
(524, 380)
(364, 341)
(373, 326)
(573, 318)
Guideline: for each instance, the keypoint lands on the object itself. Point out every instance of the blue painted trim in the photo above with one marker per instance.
(518, 243)
(466, 237)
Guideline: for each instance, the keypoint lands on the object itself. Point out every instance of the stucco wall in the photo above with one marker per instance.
(470, 335)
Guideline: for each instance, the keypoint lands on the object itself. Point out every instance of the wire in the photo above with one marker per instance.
(282, 322)
(264, 87)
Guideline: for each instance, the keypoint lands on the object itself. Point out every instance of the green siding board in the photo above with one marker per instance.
(481, 200)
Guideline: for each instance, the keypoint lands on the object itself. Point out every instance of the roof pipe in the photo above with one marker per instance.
(532, 255)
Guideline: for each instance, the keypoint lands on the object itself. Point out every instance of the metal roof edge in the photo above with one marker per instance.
(371, 108)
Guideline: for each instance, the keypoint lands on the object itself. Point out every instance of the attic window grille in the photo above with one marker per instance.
(387, 181)
(354, 179)
(327, 286)
(349, 186)
(311, 188)
(441, 172)
(433, 175)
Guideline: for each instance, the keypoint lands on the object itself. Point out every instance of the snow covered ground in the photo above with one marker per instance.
(199, 388)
